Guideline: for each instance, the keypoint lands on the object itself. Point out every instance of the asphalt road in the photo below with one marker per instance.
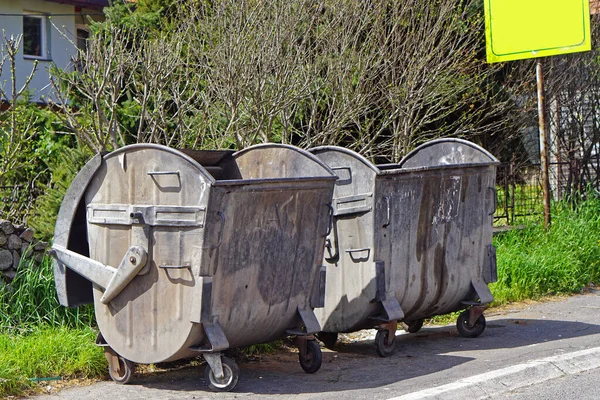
(580, 386)
(525, 345)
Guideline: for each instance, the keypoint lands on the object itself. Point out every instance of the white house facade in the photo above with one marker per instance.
(50, 31)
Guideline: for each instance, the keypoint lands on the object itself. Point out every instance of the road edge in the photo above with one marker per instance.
(504, 380)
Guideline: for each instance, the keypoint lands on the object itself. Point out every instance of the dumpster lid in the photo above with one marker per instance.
(447, 151)
(277, 161)
(186, 155)
(351, 153)
(208, 158)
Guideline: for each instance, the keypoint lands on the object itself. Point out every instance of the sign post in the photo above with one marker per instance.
(520, 29)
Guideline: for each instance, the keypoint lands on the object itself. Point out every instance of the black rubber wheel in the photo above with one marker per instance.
(125, 373)
(412, 326)
(329, 339)
(229, 381)
(313, 359)
(384, 346)
(462, 324)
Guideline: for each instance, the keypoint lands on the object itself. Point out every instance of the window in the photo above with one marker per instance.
(34, 36)
(82, 37)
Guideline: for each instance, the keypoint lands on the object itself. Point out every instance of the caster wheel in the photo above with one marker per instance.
(462, 324)
(125, 372)
(312, 360)
(412, 326)
(329, 339)
(385, 347)
(229, 381)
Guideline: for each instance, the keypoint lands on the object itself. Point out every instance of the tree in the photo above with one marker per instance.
(377, 76)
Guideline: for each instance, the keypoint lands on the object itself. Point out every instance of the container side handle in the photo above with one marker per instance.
(330, 224)
(495, 198)
(389, 211)
(220, 214)
(153, 173)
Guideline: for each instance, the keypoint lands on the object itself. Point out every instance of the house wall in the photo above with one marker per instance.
(61, 30)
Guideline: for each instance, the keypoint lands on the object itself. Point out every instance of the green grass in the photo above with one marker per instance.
(533, 263)
(32, 301)
(41, 339)
(47, 352)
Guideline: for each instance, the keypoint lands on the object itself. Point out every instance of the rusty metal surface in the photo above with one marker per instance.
(231, 261)
(429, 223)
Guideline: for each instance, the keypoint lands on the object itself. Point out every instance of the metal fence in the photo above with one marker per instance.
(519, 188)
(519, 193)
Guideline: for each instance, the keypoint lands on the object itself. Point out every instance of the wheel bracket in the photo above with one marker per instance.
(301, 342)
(390, 327)
(113, 359)
(215, 364)
(474, 314)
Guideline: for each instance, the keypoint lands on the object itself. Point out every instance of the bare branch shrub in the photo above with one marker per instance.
(379, 77)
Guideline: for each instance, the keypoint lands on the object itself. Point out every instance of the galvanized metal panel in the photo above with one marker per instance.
(439, 232)
(269, 160)
(149, 320)
(351, 273)
(447, 151)
(269, 257)
(70, 232)
(230, 261)
(430, 226)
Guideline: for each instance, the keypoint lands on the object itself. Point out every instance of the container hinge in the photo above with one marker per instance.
(490, 272)
(318, 294)
(379, 281)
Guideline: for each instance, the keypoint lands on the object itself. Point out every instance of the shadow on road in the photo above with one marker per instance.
(357, 366)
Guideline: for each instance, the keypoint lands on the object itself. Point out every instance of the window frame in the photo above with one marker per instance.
(81, 27)
(44, 36)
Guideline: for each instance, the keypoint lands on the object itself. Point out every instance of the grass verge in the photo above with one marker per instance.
(533, 262)
(47, 352)
(41, 339)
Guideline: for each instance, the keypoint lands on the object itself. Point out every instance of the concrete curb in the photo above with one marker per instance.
(489, 384)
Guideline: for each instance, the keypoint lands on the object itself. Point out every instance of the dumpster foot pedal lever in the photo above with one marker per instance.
(392, 310)
(309, 320)
(216, 338)
(483, 292)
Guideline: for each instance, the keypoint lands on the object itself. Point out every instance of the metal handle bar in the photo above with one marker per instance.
(389, 211)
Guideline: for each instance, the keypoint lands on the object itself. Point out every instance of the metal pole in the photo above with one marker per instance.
(543, 143)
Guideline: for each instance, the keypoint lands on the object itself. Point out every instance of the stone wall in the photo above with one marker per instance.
(17, 243)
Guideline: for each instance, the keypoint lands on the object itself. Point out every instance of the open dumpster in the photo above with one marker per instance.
(409, 240)
(193, 252)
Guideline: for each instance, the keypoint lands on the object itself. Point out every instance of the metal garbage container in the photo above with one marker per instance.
(188, 252)
(409, 240)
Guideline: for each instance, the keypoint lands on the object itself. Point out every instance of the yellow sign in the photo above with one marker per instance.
(517, 29)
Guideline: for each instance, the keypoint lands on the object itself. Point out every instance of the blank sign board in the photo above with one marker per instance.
(517, 29)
